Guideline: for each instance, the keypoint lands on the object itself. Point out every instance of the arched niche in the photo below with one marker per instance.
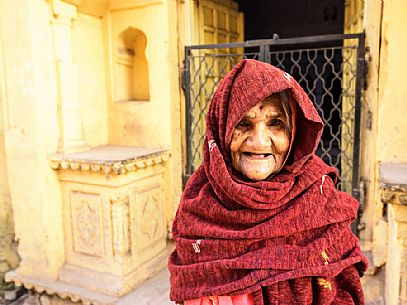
(131, 67)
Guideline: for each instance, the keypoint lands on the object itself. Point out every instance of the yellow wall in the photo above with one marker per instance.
(174, 64)
(392, 140)
(8, 252)
(373, 210)
(31, 133)
(392, 135)
(8, 256)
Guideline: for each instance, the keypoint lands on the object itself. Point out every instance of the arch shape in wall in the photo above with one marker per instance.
(131, 67)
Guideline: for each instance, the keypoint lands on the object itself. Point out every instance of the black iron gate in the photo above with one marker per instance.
(329, 68)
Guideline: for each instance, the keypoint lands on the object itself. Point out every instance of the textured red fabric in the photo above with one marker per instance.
(287, 240)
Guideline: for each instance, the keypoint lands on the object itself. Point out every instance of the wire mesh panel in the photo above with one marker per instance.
(207, 70)
(328, 76)
(329, 70)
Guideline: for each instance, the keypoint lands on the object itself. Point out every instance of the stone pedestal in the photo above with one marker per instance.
(114, 222)
(394, 195)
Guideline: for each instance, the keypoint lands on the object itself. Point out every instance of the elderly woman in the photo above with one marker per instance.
(261, 222)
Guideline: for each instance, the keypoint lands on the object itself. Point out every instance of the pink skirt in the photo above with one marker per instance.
(244, 299)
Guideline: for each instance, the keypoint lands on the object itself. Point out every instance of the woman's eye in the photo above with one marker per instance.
(275, 122)
(243, 123)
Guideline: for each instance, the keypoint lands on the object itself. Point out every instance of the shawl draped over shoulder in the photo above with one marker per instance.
(287, 239)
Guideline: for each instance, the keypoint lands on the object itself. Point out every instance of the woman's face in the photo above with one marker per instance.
(260, 141)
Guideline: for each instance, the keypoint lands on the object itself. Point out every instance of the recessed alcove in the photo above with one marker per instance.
(131, 67)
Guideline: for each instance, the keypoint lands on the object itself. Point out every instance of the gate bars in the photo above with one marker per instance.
(330, 68)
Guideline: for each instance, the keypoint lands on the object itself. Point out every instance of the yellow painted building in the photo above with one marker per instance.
(90, 144)
(92, 137)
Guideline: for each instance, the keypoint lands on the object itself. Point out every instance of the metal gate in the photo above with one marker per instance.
(329, 68)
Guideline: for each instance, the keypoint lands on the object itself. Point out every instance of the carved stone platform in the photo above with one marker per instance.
(114, 221)
(393, 182)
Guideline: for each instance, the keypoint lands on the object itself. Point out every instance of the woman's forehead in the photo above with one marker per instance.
(271, 104)
(275, 99)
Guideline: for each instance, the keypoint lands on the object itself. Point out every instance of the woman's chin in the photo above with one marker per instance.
(257, 170)
(257, 174)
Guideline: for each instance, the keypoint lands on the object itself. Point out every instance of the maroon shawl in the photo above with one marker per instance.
(287, 240)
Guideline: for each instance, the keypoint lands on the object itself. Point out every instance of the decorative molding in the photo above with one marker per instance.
(151, 225)
(90, 296)
(120, 5)
(63, 12)
(393, 187)
(120, 225)
(107, 167)
(149, 207)
(394, 194)
(74, 2)
(86, 224)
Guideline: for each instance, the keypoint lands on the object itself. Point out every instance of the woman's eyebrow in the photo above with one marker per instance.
(274, 115)
(249, 115)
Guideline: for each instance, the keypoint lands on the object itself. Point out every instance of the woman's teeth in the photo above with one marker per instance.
(256, 156)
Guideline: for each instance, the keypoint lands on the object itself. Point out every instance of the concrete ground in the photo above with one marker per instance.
(155, 291)
(373, 286)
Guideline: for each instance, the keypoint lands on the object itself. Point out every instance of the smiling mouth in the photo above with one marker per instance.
(257, 156)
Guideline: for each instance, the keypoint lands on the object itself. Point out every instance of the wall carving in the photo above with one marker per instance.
(151, 216)
(403, 279)
(86, 223)
(150, 207)
(394, 194)
(120, 223)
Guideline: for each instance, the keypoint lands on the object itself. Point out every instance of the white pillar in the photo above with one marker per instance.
(69, 113)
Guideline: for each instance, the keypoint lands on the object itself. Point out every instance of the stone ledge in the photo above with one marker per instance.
(393, 174)
(110, 159)
(61, 289)
(394, 196)
(393, 183)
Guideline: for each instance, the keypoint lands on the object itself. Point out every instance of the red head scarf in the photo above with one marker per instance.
(235, 236)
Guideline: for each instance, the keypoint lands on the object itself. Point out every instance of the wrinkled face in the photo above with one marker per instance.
(261, 140)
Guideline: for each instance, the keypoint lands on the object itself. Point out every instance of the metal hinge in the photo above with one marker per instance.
(185, 179)
(366, 67)
(369, 120)
(361, 225)
(183, 78)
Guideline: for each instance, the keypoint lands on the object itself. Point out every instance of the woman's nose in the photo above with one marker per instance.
(260, 137)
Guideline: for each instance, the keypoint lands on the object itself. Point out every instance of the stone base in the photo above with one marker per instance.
(109, 284)
(393, 180)
(396, 267)
(373, 287)
(61, 293)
